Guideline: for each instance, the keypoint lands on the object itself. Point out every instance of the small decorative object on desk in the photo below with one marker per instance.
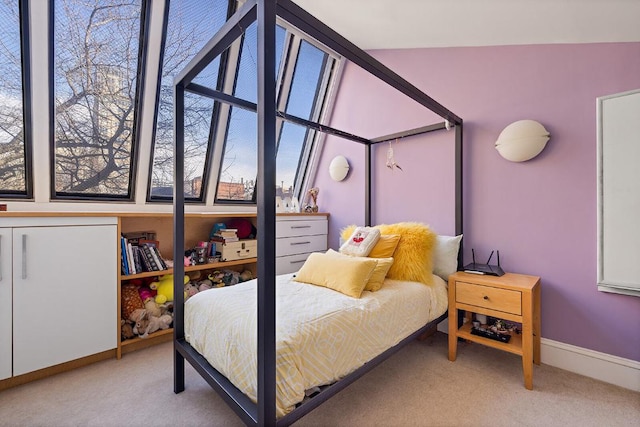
(313, 194)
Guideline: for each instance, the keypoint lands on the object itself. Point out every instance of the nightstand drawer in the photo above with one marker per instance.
(488, 297)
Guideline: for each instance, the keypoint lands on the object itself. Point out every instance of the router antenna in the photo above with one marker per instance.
(490, 255)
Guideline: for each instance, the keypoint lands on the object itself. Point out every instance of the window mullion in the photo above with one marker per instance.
(221, 124)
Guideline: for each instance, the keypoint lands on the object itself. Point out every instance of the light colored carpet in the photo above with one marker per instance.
(416, 387)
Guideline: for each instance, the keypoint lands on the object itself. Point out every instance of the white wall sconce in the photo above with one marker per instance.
(522, 140)
(339, 168)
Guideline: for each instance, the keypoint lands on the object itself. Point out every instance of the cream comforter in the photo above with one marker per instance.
(322, 335)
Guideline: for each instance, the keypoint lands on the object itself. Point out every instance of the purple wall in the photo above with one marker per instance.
(540, 214)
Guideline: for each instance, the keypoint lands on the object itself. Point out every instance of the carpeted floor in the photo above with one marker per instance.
(416, 387)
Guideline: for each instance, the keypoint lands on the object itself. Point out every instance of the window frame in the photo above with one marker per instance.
(27, 120)
(322, 103)
(207, 172)
(143, 42)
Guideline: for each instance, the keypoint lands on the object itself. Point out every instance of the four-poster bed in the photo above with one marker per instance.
(265, 11)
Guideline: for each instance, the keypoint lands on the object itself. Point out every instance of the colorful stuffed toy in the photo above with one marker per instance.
(164, 288)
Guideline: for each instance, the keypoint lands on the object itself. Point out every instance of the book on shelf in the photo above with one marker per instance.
(135, 237)
(224, 239)
(132, 265)
(123, 257)
(228, 231)
(153, 255)
(150, 260)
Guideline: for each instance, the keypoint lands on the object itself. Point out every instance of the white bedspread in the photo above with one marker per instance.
(322, 335)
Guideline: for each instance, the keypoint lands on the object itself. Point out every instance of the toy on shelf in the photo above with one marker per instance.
(164, 288)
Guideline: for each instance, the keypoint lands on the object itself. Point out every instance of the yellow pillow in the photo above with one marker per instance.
(412, 259)
(376, 280)
(386, 246)
(348, 275)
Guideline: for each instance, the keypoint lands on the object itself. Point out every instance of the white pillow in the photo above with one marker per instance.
(361, 241)
(445, 256)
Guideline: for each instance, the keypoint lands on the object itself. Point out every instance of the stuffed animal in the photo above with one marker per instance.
(147, 324)
(126, 330)
(164, 288)
(204, 285)
(246, 275)
(147, 295)
(190, 289)
(216, 279)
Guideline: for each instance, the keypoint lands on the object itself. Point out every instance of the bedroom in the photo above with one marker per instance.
(501, 197)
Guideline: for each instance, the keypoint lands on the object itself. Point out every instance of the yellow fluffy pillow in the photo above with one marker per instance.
(386, 246)
(376, 280)
(348, 275)
(412, 259)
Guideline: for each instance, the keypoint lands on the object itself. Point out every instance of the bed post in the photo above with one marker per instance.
(266, 14)
(367, 185)
(178, 235)
(458, 189)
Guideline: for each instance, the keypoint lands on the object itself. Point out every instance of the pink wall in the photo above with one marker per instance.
(540, 214)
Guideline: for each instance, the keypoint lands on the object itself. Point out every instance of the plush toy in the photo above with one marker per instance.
(204, 285)
(190, 289)
(147, 324)
(246, 275)
(230, 277)
(216, 279)
(164, 288)
(126, 330)
(148, 299)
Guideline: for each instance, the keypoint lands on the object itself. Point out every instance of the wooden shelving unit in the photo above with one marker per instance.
(197, 228)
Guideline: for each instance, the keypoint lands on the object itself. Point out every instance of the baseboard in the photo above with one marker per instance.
(593, 364)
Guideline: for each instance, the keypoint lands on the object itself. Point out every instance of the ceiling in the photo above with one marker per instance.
(394, 24)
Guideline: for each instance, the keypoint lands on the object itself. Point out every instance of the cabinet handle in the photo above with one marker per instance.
(300, 243)
(300, 226)
(297, 262)
(24, 256)
(485, 297)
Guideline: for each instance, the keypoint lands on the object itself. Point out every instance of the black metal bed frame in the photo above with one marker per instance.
(263, 413)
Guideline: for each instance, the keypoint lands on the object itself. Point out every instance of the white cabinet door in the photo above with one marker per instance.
(5, 303)
(64, 294)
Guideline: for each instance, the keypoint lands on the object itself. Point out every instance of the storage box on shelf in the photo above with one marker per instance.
(197, 229)
(298, 235)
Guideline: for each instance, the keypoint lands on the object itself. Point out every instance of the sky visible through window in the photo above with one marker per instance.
(12, 148)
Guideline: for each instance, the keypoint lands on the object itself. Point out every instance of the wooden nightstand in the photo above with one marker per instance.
(513, 297)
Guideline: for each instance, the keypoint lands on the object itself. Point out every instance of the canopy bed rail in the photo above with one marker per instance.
(263, 412)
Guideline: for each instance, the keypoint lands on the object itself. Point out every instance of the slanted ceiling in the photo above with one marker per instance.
(397, 24)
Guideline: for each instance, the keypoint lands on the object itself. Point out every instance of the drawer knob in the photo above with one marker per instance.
(485, 297)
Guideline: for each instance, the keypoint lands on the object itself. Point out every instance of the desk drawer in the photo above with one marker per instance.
(487, 297)
(301, 227)
(302, 244)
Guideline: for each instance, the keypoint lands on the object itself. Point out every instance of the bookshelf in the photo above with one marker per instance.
(197, 228)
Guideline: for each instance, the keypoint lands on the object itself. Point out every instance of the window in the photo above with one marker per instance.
(15, 126)
(304, 72)
(190, 24)
(221, 138)
(97, 70)
(240, 160)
